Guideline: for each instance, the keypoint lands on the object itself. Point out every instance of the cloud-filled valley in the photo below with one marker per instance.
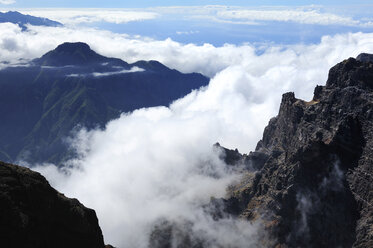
(159, 163)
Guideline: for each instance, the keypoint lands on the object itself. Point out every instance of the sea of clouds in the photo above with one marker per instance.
(159, 163)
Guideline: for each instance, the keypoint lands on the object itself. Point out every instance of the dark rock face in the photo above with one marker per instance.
(313, 186)
(34, 215)
(77, 53)
(166, 234)
(252, 162)
(365, 57)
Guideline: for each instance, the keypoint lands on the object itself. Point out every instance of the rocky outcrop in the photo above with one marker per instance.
(365, 57)
(313, 184)
(34, 215)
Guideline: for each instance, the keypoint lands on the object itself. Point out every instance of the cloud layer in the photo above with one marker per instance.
(107, 74)
(206, 58)
(311, 15)
(299, 16)
(79, 16)
(159, 162)
(6, 2)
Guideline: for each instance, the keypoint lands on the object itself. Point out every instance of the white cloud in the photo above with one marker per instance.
(106, 74)
(7, 2)
(315, 15)
(299, 16)
(187, 32)
(153, 164)
(206, 58)
(159, 162)
(297, 67)
(78, 16)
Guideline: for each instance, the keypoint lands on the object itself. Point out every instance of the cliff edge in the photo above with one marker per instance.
(34, 215)
(313, 186)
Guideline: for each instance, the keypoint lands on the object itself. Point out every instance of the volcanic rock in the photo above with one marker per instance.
(314, 187)
(34, 215)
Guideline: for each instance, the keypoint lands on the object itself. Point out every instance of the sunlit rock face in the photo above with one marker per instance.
(34, 215)
(312, 187)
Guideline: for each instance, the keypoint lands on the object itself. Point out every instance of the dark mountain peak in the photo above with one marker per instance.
(365, 57)
(21, 19)
(151, 65)
(73, 85)
(12, 13)
(81, 54)
(75, 53)
(352, 72)
(71, 47)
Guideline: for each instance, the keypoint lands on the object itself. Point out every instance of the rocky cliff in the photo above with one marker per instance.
(34, 215)
(310, 177)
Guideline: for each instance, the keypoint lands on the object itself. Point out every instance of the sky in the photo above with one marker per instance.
(155, 3)
(158, 163)
(233, 22)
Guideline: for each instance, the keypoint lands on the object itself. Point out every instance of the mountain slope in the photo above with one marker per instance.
(22, 20)
(73, 86)
(35, 215)
(312, 186)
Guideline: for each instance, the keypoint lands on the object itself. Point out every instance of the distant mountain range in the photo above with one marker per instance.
(22, 20)
(42, 102)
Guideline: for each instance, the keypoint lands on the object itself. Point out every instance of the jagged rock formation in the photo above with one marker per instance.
(365, 57)
(34, 215)
(252, 162)
(313, 184)
(166, 234)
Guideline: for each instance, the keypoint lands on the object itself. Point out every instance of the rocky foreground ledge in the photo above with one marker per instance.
(313, 183)
(34, 215)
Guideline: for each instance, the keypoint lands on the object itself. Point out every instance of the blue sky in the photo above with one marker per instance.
(152, 3)
(233, 22)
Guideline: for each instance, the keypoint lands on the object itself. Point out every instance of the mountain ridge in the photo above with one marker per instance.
(70, 53)
(312, 188)
(22, 20)
(42, 103)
